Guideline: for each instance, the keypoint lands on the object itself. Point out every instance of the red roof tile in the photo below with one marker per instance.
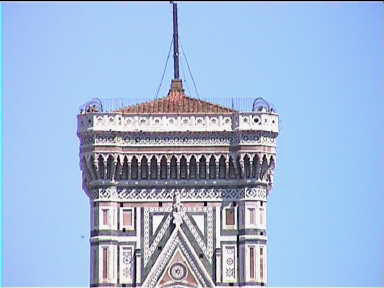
(176, 102)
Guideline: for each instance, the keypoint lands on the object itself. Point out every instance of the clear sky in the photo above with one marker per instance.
(321, 65)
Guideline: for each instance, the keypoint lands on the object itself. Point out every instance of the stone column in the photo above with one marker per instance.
(168, 169)
(105, 169)
(138, 266)
(158, 169)
(129, 172)
(113, 169)
(96, 170)
(240, 169)
(218, 265)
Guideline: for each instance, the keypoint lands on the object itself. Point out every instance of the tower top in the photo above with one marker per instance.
(176, 84)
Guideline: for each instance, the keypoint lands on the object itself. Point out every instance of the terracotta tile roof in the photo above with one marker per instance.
(176, 102)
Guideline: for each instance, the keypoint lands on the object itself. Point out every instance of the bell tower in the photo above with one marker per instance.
(178, 189)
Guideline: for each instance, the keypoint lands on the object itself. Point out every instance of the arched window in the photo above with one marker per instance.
(183, 168)
(222, 168)
(134, 168)
(202, 168)
(272, 163)
(153, 172)
(238, 170)
(109, 167)
(232, 171)
(117, 169)
(247, 167)
(264, 167)
(144, 168)
(173, 169)
(212, 168)
(101, 167)
(163, 168)
(255, 167)
(192, 168)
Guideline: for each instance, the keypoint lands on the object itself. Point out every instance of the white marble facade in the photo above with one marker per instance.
(178, 200)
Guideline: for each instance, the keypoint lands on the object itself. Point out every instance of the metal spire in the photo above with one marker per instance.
(175, 43)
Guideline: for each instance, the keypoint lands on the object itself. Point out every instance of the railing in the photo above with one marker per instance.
(241, 104)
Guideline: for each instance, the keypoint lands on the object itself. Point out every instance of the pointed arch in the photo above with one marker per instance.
(222, 167)
(109, 167)
(101, 166)
(153, 168)
(144, 168)
(192, 167)
(183, 168)
(264, 167)
(212, 167)
(125, 169)
(272, 162)
(247, 167)
(118, 169)
(255, 167)
(163, 168)
(238, 168)
(134, 168)
(202, 167)
(173, 168)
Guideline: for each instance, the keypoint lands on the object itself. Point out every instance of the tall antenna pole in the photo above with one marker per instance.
(175, 43)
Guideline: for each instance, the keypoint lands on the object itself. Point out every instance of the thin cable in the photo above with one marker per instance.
(165, 68)
(190, 73)
(186, 83)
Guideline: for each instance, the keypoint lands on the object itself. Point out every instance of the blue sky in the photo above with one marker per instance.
(319, 63)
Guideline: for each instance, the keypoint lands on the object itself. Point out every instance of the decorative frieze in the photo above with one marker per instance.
(192, 122)
(120, 194)
(184, 139)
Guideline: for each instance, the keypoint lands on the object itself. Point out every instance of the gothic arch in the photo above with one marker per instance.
(144, 168)
(192, 167)
(173, 168)
(183, 168)
(153, 168)
(255, 167)
(101, 166)
(272, 162)
(212, 167)
(222, 167)
(109, 167)
(264, 167)
(202, 167)
(163, 168)
(238, 166)
(134, 168)
(118, 168)
(247, 167)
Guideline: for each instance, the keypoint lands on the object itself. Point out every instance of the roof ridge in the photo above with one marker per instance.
(176, 102)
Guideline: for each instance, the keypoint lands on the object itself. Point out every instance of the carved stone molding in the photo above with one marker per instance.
(119, 194)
